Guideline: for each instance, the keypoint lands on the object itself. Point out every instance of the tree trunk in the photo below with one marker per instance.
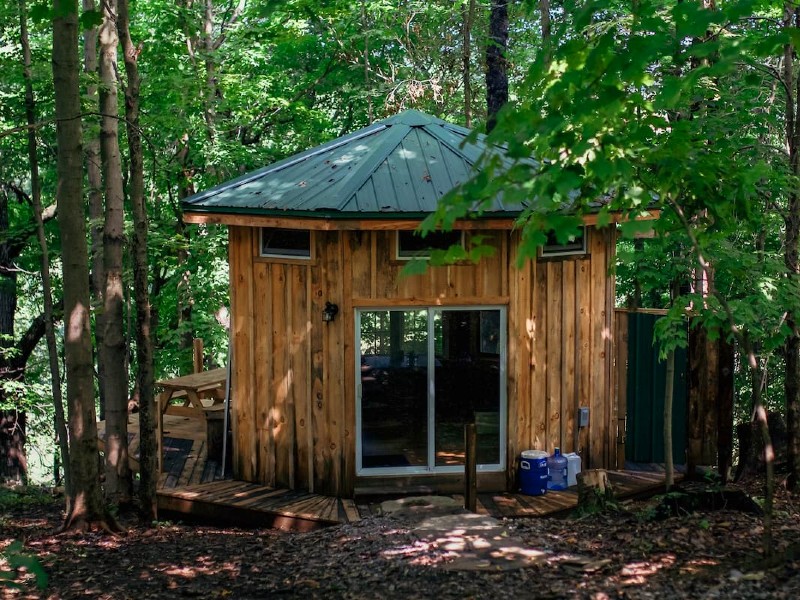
(36, 199)
(547, 35)
(466, 58)
(496, 63)
(725, 410)
(211, 76)
(86, 506)
(13, 463)
(144, 341)
(792, 257)
(595, 492)
(113, 351)
(91, 154)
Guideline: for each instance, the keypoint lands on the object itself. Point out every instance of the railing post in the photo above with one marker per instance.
(197, 354)
(471, 467)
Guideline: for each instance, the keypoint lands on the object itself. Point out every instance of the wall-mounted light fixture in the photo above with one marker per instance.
(330, 311)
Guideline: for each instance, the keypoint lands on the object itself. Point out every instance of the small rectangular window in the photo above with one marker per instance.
(412, 245)
(574, 246)
(285, 243)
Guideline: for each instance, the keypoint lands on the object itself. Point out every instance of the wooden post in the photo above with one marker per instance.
(471, 467)
(197, 354)
(159, 434)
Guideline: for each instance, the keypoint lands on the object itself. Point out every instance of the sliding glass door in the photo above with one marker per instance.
(423, 374)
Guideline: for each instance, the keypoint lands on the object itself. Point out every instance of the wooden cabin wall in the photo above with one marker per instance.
(293, 408)
(560, 341)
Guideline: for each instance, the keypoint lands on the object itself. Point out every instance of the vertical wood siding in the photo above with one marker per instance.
(294, 381)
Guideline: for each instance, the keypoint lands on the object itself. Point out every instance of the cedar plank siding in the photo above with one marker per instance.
(294, 380)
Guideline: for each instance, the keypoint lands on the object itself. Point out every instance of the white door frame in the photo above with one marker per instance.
(431, 467)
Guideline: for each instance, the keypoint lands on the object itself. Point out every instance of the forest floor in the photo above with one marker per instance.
(620, 554)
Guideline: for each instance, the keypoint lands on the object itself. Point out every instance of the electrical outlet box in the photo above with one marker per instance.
(583, 416)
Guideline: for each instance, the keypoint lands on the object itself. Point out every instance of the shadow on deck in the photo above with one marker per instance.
(192, 485)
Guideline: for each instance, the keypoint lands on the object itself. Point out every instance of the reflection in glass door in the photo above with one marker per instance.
(394, 393)
(424, 373)
(467, 376)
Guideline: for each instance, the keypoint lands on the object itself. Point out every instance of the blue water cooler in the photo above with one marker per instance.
(533, 472)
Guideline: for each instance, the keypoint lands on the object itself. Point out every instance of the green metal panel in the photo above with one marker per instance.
(398, 167)
(645, 402)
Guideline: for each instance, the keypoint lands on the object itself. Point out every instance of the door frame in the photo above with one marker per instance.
(431, 468)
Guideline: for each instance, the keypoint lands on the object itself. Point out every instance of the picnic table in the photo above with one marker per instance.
(184, 396)
(190, 390)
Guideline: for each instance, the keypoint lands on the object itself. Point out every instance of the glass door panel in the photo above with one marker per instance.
(467, 370)
(394, 388)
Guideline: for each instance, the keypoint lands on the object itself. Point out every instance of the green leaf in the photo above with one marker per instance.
(41, 12)
(91, 19)
(635, 227)
(416, 266)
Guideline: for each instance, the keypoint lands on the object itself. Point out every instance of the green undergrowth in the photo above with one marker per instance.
(24, 497)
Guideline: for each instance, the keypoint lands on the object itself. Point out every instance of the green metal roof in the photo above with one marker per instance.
(398, 167)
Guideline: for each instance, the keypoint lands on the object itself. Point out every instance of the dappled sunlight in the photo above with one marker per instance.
(607, 335)
(698, 565)
(485, 545)
(76, 324)
(636, 573)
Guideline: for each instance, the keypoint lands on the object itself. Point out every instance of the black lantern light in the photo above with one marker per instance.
(330, 311)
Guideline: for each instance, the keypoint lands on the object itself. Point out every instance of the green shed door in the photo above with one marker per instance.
(645, 402)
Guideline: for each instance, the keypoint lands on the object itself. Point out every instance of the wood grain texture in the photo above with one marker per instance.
(554, 356)
(299, 366)
(598, 401)
(584, 299)
(568, 356)
(244, 405)
(538, 391)
(295, 380)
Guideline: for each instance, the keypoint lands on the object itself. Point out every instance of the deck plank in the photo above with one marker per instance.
(193, 487)
(256, 496)
(351, 510)
(197, 471)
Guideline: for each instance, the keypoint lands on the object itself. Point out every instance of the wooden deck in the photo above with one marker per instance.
(192, 485)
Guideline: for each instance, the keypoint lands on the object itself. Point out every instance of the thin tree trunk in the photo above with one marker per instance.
(118, 475)
(792, 259)
(36, 199)
(13, 458)
(86, 506)
(466, 59)
(496, 63)
(547, 35)
(669, 478)
(211, 77)
(144, 341)
(365, 26)
(91, 153)
(759, 412)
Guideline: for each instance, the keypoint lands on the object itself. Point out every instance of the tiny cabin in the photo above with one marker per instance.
(350, 376)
